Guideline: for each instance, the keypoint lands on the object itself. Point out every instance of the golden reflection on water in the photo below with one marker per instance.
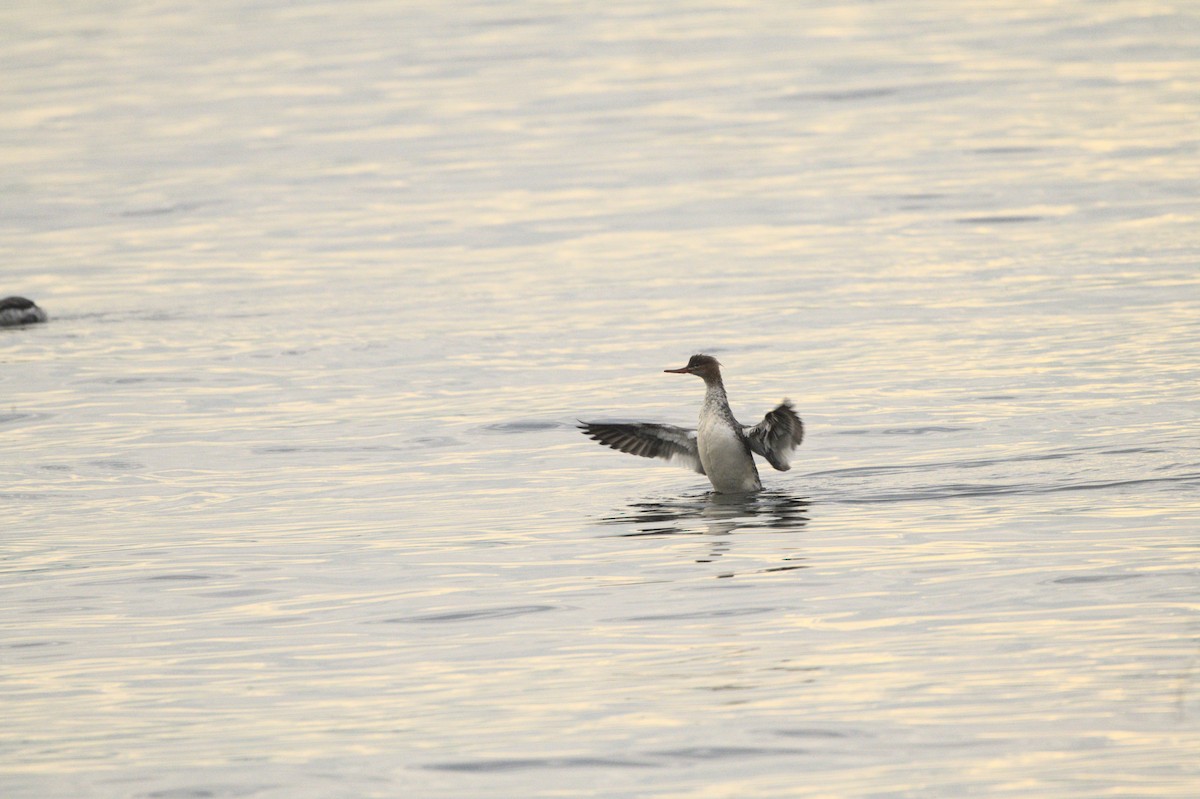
(293, 474)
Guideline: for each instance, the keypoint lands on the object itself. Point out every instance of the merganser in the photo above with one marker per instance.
(720, 448)
(19, 311)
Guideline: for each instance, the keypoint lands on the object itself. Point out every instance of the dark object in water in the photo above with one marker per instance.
(19, 311)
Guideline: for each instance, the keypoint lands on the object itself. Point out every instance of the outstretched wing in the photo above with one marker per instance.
(671, 443)
(780, 432)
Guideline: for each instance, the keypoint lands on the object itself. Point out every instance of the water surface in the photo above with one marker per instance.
(294, 501)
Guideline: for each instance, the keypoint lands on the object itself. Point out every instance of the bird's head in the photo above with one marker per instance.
(704, 366)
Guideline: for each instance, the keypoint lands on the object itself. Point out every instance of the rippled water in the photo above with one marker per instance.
(294, 501)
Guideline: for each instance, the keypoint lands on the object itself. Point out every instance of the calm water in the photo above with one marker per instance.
(294, 504)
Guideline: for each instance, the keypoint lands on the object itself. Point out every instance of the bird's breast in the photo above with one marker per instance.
(726, 458)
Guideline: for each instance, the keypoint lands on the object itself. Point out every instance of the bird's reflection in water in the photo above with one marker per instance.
(715, 516)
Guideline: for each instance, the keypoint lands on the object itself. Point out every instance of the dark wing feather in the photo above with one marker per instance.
(665, 441)
(780, 432)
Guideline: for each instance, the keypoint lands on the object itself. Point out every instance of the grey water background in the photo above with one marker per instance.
(293, 500)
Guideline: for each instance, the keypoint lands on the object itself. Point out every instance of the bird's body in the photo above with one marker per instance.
(720, 447)
(19, 311)
(723, 447)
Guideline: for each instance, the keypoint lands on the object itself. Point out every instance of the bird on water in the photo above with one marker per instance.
(19, 311)
(720, 448)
